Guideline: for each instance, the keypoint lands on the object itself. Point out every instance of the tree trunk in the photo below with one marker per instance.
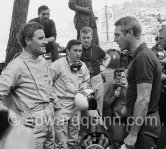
(19, 17)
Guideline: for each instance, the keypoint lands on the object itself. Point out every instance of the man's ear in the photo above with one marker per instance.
(28, 41)
(130, 33)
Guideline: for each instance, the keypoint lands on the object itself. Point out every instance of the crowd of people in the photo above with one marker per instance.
(37, 99)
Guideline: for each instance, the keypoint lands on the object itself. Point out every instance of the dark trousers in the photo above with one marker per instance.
(148, 136)
(162, 108)
(162, 112)
(53, 48)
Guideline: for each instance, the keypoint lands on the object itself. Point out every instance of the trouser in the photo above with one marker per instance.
(98, 87)
(44, 127)
(162, 108)
(162, 112)
(67, 124)
(53, 48)
(148, 136)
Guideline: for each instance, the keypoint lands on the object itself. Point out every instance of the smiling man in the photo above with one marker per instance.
(49, 30)
(144, 81)
(24, 85)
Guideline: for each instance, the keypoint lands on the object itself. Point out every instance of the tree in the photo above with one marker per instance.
(19, 17)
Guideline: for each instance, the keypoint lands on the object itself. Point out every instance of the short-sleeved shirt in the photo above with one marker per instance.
(49, 27)
(144, 68)
(92, 57)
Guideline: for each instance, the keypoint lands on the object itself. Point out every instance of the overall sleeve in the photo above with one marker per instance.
(9, 78)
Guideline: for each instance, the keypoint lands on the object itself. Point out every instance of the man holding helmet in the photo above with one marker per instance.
(68, 75)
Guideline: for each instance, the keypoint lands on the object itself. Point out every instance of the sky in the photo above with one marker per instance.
(60, 13)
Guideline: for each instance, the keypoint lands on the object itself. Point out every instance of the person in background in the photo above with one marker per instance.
(49, 30)
(68, 75)
(114, 106)
(144, 86)
(162, 104)
(84, 16)
(96, 60)
(25, 88)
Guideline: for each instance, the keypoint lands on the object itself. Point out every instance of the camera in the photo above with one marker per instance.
(124, 55)
(159, 51)
(120, 84)
(160, 55)
(120, 77)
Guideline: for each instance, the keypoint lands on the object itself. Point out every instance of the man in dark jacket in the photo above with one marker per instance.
(84, 17)
(49, 30)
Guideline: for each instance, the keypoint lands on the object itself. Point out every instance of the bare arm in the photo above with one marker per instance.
(51, 39)
(140, 112)
(141, 106)
(106, 62)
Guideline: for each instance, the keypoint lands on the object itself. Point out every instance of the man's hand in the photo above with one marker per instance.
(117, 92)
(102, 68)
(57, 105)
(29, 121)
(130, 140)
(87, 10)
(163, 62)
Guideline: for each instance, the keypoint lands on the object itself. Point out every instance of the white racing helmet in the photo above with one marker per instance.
(84, 100)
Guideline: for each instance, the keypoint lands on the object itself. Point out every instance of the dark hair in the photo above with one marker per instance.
(130, 23)
(27, 30)
(43, 7)
(86, 30)
(118, 70)
(72, 43)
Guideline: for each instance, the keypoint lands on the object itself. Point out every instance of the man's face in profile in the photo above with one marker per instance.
(162, 39)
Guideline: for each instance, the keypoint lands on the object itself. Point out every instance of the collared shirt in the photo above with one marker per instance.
(26, 80)
(92, 58)
(65, 82)
(144, 68)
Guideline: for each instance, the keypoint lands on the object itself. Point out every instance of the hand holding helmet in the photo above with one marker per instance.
(84, 100)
